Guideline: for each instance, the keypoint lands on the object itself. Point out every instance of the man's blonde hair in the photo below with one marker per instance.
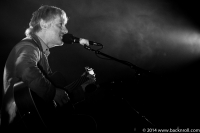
(46, 13)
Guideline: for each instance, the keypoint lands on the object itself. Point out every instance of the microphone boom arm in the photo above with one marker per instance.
(132, 66)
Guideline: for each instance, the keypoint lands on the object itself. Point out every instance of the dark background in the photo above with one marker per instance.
(160, 36)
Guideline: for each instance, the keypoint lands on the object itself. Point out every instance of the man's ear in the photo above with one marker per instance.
(44, 25)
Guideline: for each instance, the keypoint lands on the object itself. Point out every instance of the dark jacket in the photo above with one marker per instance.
(28, 63)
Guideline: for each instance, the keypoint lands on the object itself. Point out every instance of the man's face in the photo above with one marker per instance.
(55, 32)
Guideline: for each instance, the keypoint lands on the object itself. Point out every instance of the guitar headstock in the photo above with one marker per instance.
(90, 71)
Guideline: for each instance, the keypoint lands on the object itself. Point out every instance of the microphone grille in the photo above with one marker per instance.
(68, 38)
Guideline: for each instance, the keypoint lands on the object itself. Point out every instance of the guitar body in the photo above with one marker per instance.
(34, 111)
(29, 107)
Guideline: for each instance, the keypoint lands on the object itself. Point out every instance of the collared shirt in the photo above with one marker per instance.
(44, 47)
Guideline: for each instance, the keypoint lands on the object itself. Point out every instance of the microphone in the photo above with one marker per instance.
(70, 39)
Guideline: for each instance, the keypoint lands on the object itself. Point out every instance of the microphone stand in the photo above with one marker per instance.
(132, 66)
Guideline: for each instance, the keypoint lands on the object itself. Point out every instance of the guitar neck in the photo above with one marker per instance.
(69, 88)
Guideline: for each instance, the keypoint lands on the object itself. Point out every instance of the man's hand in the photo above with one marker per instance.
(61, 97)
(91, 80)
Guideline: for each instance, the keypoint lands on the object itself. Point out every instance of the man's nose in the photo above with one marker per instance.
(64, 30)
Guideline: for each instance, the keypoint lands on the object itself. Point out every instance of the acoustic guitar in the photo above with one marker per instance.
(34, 111)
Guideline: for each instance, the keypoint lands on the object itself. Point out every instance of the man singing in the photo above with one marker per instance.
(28, 63)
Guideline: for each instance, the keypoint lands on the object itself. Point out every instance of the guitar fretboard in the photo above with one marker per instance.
(76, 83)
